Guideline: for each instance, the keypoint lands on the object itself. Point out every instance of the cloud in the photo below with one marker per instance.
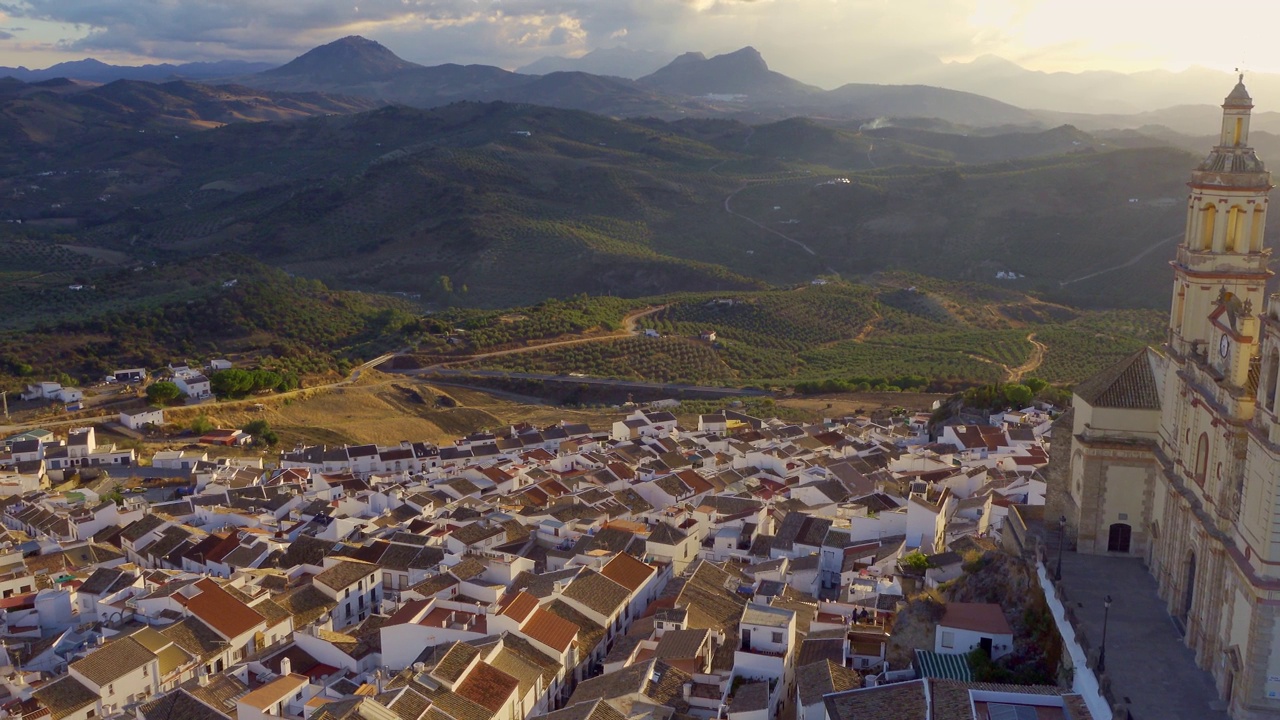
(6, 35)
(822, 41)
(496, 31)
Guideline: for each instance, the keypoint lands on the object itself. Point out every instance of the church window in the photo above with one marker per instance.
(1255, 230)
(1235, 138)
(1119, 537)
(1207, 225)
(1234, 220)
(1269, 387)
(1202, 459)
(1235, 224)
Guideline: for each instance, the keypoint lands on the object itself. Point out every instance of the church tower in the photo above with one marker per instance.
(1220, 271)
(1173, 456)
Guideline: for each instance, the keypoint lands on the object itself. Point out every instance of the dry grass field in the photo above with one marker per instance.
(386, 409)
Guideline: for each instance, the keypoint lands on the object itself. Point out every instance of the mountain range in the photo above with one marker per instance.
(472, 185)
(737, 84)
(91, 70)
(361, 67)
(618, 62)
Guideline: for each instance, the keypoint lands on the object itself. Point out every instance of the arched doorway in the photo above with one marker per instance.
(1189, 592)
(1119, 537)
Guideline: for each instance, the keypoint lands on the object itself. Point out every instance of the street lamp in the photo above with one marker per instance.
(1062, 539)
(1102, 650)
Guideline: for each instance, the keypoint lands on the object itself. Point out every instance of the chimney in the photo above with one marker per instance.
(202, 677)
(286, 666)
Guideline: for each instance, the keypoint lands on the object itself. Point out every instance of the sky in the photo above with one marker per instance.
(825, 42)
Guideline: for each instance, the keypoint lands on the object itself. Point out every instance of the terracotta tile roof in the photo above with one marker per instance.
(64, 696)
(590, 634)
(344, 574)
(219, 610)
(593, 710)
(951, 699)
(628, 572)
(899, 701)
(750, 697)
(1129, 384)
(113, 661)
(659, 682)
(681, 643)
(455, 662)
(274, 691)
(550, 629)
(978, 617)
(306, 604)
(525, 650)
(815, 680)
(488, 686)
(221, 692)
(468, 568)
(517, 667)
(181, 704)
(434, 585)
(408, 704)
(519, 606)
(598, 593)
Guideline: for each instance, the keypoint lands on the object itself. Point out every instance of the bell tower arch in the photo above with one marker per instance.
(1222, 260)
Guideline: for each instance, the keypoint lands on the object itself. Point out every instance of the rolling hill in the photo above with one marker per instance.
(737, 84)
(60, 119)
(498, 204)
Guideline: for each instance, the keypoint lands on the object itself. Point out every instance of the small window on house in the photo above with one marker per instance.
(948, 639)
(777, 637)
(146, 671)
(111, 689)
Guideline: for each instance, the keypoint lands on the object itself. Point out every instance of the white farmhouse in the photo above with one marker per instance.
(966, 627)
(138, 419)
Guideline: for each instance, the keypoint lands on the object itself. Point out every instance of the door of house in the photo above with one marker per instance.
(985, 644)
(1118, 540)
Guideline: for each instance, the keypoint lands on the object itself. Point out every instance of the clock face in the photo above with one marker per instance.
(1223, 346)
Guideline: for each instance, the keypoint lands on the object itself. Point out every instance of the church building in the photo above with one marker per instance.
(1173, 455)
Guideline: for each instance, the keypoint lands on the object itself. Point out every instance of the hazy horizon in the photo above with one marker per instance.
(823, 42)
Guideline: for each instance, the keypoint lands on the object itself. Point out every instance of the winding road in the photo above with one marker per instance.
(1032, 364)
(1128, 263)
(630, 327)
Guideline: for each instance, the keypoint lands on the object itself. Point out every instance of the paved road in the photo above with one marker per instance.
(602, 382)
(1146, 658)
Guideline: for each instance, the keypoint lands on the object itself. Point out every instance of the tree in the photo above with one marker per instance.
(201, 425)
(914, 560)
(261, 430)
(162, 393)
(1036, 384)
(1019, 395)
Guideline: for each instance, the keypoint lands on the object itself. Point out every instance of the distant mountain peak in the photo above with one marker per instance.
(742, 71)
(348, 59)
(689, 57)
(747, 57)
